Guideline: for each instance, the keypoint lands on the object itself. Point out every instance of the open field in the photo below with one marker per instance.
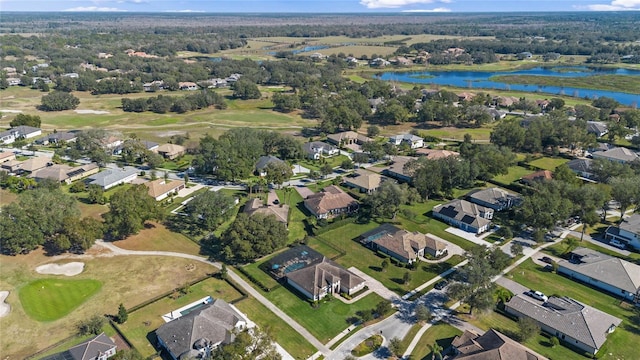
(125, 279)
(7, 197)
(442, 334)
(142, 323)
(157, 237)
(51, 299)
(514, 174)
(358, 51)
(622, 343)
(547, 163)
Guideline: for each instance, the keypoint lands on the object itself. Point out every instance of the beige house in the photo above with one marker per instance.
(7, 156)
(65, 173)
(365, 181)
(171, 151)
(330, 202)
(160, 189)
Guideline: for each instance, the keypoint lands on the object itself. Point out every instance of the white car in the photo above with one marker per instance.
(537, 295)
(617, 243)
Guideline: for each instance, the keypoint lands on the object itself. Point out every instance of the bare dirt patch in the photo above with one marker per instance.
(68, 269)
(4, 307)
(94, 112)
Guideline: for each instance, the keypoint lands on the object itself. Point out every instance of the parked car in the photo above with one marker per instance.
(546, 259)
(537, 295)
(441, 285)
(617, 243)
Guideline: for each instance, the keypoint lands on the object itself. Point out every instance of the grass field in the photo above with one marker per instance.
(622, 83)
(443, 334)
(156, 237)
(141, 325)
(7, 197)
(296, 214)
(125, 279)
(622, 343)
(51, 299)
(547, 163)
(514, 174)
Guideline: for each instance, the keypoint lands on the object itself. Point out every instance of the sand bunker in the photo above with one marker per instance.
(10, 111)
(70, 269)
(95, 112)
(4, 307)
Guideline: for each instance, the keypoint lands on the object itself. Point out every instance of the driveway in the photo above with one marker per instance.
(304, 191)
(528, 246)
(467, 236)
(375, 285)
(511, 285)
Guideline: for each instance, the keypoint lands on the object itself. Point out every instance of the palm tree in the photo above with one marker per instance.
(436, 350)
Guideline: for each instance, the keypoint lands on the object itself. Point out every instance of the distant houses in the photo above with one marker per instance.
(171, 151)
(397, 169)
(264, 161)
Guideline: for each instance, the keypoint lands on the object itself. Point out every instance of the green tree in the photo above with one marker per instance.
(91, 326)
(278, 172)
(385, 264)
(422, 312)
(626, 191)
(285, 103)
(326, 169)
(373, 131)
(28, 120)
(122, 316)
(129, 209)
(406, 278)
(554, 341)
(516, 249)
(436, 351)
(245, 89)
(224, 272)
(252, 237)
(395, 346)
(208, 210)
(96, 194)
(58, 101)
(527, 328)
(249, 344)
(383, 307)
(127, 354)
(386, 201)
(77, 187)
(571, 243)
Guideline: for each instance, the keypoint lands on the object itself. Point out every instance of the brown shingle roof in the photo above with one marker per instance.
(256, 206)
(170, 149)
(330, 198)
(365, 179)
(402, 242)
(434, 154)
(316, 276)
(493, 345)
(160, 187)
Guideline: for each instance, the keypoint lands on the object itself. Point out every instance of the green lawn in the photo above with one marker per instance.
(547, 163)
(325, 321)
(142, 323)
(296, 214)
(443, 334)
(560, 248)
(282, 332)
(623, 340)
(52, 299)
(514, 174)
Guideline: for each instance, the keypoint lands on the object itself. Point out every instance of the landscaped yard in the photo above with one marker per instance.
(443, 334)
(142, 323)
(514, 174)
(296, 214)
(51, 299)
(622, 341)
(560, 248)
(547, 163)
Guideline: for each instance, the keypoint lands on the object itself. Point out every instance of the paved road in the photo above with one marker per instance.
(237, 279)
(599, 243)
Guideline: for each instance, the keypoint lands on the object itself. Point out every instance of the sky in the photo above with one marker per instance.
(314, 6)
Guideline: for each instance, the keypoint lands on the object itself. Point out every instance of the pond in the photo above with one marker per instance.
(482, 80)
(304, 49)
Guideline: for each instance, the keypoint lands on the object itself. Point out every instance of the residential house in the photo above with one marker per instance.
(19, 133)
(496, 114)
(264, 161)
(330, 202)
(71, 75)
(582, 167)
(57, 138)
(572, 322)
(109, 178)
(466, 96)
(103, 55)
(171, 151)
(413, 141)
(401, 61)
(542, 175)
(196, 334)
(505, 101)
(525, 55)
(153, 86)
(628, 232)
(187, 85)
(492, 345)
(312, 274)
(111, 142)
(150, 145)
(609, 273)
(64, 173)
(435, 154)
(35, 163)
(494, 198)
(257, 206)
(379, 62)
(346, 138)
(14, 81)
(7, 156)
(397, 168)
(161, 189)
(11, 166)
(100, 347)
(374, 103)
(316, 150)
(10, 70)
(317, 56)
(365, 181)
(464, 215)
(617, 154)
(597, 128)
(403, 245)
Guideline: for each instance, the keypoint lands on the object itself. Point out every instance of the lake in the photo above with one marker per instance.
(481, 80)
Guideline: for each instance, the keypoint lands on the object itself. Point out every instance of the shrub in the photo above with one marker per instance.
(92, 325)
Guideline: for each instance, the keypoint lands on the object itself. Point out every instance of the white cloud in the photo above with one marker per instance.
(616, 5)
(95, 8)
(377, 4)
(436, 10)
(185, 11)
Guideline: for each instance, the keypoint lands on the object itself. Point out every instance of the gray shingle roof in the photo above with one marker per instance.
(580, 165)
(604, 268)
(493, 345)
(318, 275)
(110, 176)
(212, 324)
(464, 211)
(631, 224)
(579, 321)
(495, 196)
(263, 161)
(89, 349)
(617, 154)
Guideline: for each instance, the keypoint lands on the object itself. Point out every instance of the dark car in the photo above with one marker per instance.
(440, 285)
(546, 259)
